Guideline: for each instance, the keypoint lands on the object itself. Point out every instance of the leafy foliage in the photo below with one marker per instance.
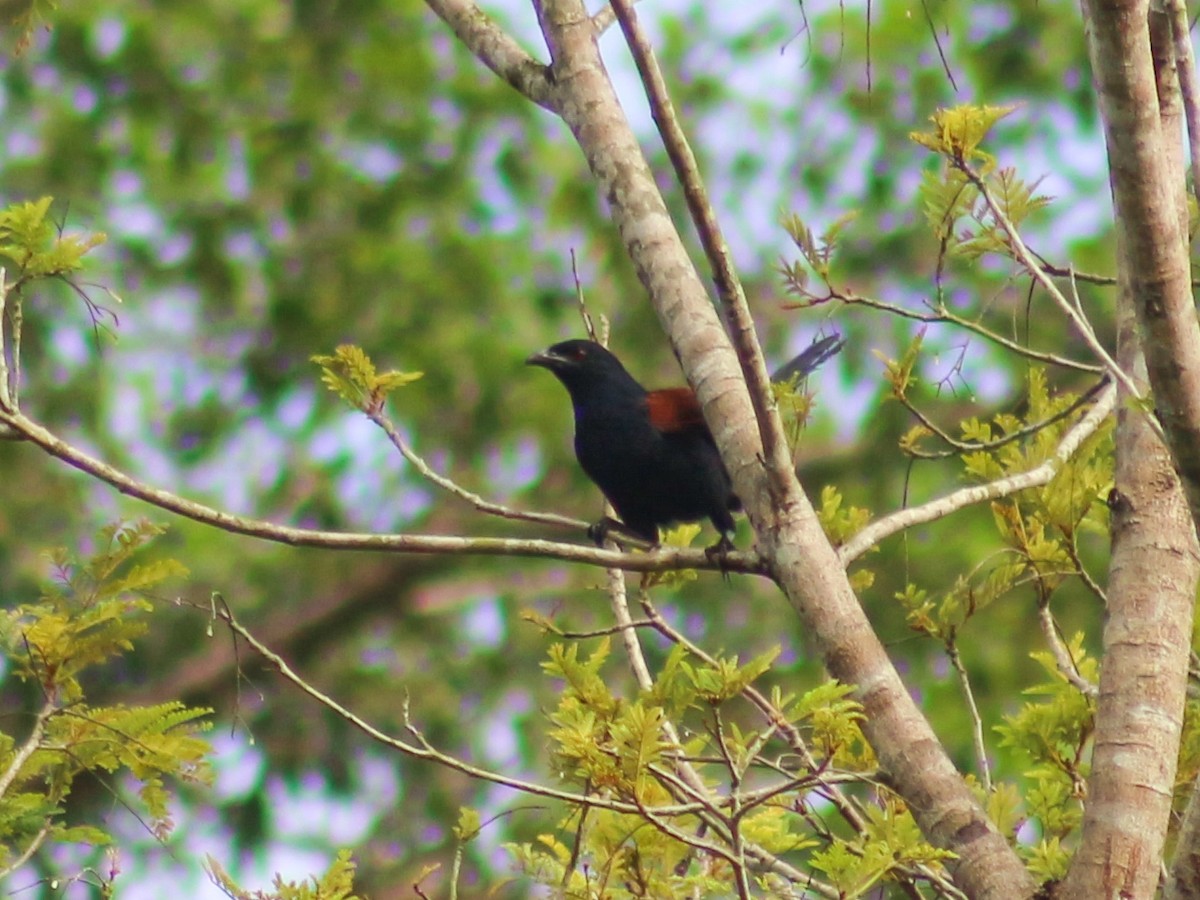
(336, 884)
(891, 841)
(1053, 735)
(91, 614)
(620, 749)
(36, 246)
(351, 375)
(1040, 527)
(958, 132)
(956, 195)
(817, 251)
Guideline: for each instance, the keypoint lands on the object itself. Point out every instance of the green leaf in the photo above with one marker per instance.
(958, 131)
(33, 243)
(468, 823)
(351, 375)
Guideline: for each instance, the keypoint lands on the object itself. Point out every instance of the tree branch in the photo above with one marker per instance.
(1185, 68)
(981, 493)
(729, 286)
(798, 553)
(1145, 190)
(1072, 311)
(448, 485)
(660, 560)
(1153, 566)
(939, 314)
(422, 749)
(496, 49)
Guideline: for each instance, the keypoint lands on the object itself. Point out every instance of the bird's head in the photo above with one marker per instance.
(584, 366)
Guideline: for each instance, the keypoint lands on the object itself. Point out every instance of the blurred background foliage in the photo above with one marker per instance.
(276, 179)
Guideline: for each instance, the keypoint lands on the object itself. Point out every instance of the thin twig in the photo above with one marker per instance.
(27, 853)
(736, 809)
(662, 559)
(32, 744)
(1062, 656)
(1088, 277)
(588, 325)
(958, 447)
(619, 604)
(729, 288)
(604, 18)
(939, 314)
(1027, 259)
(594, 632)
(1084, 575)
(422, 749)
(981, 760)
(16, 317)
(6, 401)
(1185, 69)
(377, 415)
(969, 496)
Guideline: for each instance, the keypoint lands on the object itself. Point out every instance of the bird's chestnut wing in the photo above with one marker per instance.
(673, 410)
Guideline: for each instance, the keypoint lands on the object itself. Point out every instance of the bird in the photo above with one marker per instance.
(650, 452)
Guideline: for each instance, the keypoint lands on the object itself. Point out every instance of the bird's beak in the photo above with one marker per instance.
(546, 359)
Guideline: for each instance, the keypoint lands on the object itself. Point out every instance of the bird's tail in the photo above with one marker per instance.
(809, 358)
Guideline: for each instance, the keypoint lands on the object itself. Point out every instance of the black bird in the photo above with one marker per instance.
(650, 452)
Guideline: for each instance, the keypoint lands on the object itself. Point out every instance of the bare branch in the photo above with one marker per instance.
(958, 447)
(5, 396)
(1073, 311)
(27, 854)
(1063, 660)
(660, 560)
(969, 496)
(423, 468)
(32, 744)
(1185, 70)
(604, 18)
(422, 749)
(939, 314)
(981, 761)
(729, 286)
(496, 49)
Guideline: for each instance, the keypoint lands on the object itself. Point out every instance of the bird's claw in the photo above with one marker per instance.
(718, 551)
(598, 532)
(606, 529)
(610, 529)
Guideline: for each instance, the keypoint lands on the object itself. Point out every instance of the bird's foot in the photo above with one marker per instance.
(607, 527)
(719, 551)
(597, 532)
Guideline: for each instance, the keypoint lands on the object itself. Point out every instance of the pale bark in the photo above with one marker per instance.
(1145, 192)
(496, 49)
(1184, 880)
(799, 554)
(1139, 717)
(1153, 568)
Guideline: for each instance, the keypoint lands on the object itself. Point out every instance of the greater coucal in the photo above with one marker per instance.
(650, 452)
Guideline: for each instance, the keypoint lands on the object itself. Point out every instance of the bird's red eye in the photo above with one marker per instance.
(580, 352)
